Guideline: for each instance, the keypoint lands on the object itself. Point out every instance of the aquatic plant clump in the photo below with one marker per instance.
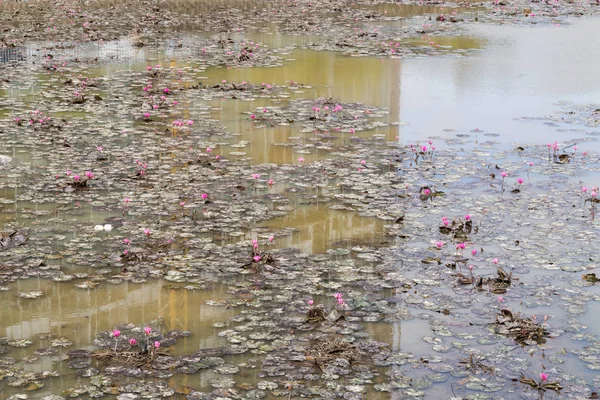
(521, 329)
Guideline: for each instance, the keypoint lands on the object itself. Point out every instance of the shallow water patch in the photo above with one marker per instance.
(318, 227)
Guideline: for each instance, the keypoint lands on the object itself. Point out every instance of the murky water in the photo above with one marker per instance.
(320, 228)
(517, 73)
(78, 314)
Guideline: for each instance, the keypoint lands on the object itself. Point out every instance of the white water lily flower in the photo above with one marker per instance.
(108, 227)
(98, 228)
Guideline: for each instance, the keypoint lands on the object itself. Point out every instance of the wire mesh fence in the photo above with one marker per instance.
(122, 49)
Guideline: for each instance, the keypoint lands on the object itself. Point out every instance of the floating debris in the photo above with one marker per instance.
(521, 329)
(332, 349)
(135, 359)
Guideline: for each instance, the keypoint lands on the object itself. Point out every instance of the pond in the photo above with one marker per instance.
(254, 206)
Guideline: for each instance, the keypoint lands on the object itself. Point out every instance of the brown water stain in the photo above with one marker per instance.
(79, 314)
(319, 227)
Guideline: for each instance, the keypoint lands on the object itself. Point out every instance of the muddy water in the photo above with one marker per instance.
(321, 228)
(77, 314)
(508, 79)
(328, 75)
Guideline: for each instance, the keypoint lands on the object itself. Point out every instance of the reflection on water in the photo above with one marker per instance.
(366, 80)
(80, 314)
(455, 42)
(406, 336)
(362, 80)
(320, 228)
(520, 74)
(371, 81)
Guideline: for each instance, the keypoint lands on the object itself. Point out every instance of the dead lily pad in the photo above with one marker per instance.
(323, 352)
(498, 285)
(315, 314)
(522, 329)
